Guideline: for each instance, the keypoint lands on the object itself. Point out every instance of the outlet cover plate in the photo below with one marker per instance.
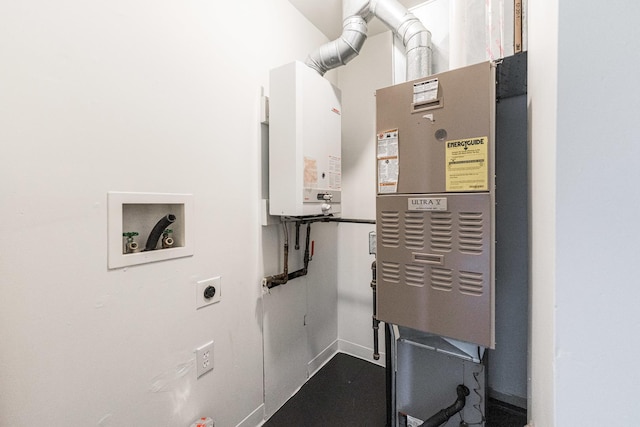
(201, 301)
(204, 359)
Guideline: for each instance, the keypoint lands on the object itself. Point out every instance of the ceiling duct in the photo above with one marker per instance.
(356, 14)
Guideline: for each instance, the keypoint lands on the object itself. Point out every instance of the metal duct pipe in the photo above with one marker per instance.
(341, 50)
(415, 37)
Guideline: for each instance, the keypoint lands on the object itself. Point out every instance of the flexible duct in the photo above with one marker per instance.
(356, 13)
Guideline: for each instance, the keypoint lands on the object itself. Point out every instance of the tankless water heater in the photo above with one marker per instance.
(435, 204)
(305, 160)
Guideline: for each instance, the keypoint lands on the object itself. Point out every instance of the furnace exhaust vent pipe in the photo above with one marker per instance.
(356, 13)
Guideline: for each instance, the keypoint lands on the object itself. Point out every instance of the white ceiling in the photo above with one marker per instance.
(327, 15)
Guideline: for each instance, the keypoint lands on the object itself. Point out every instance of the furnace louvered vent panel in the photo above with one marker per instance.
(390, 229)
(414, 230)
(438, 263)
(390, 272)
(471, 232)
(442, 279)
(441, 232)
(414, 275)
(471, 283)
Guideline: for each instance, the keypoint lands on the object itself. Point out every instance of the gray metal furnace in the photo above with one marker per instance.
(436, 239)
(435, 204)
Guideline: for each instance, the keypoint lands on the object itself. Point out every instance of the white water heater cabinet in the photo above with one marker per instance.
(305, 161)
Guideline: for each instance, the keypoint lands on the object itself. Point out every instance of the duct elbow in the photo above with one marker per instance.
(415, 37)
(417, 43)
(420, 37)
(341, 50)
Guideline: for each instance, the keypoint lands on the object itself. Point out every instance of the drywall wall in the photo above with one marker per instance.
(584, 213)
(147, 97)
(369, 71)
(463, 32)
(542, 104)
(597, 200)
(300, 317)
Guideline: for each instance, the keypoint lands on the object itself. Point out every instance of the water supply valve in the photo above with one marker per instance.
(167, 241)
(131, 245)
(326, 199)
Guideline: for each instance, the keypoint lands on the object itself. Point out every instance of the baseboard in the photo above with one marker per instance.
(321, 359)
(361, 352)
(254, 419)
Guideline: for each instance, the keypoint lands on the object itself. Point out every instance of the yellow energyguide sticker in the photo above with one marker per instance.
(467, 164)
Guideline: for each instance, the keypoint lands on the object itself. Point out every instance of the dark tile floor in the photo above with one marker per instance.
(500, 414)
(349, 392)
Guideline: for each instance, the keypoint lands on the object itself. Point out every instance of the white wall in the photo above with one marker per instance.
(369, 71)
(597, 200)
(134, 96)
(542, 99)
(585, 196)
(300, 317)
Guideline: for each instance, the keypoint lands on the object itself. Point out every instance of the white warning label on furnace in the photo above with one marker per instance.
(388, 161)
(425, 91)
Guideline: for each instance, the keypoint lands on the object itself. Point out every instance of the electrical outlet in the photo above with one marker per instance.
(211, 295)
(204, 359)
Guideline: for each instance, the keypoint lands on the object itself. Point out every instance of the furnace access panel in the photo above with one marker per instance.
(435, 204)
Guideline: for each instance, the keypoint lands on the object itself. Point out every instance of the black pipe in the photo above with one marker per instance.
(376, 323)
(326, 218)
(156, 232)
(282, 278)
(354, 221)
(285, 276)
(303, 271)
(297, 236)
(444, 415)
(388, 374)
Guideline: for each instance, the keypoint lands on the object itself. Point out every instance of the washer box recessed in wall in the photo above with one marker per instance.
(132, 218)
